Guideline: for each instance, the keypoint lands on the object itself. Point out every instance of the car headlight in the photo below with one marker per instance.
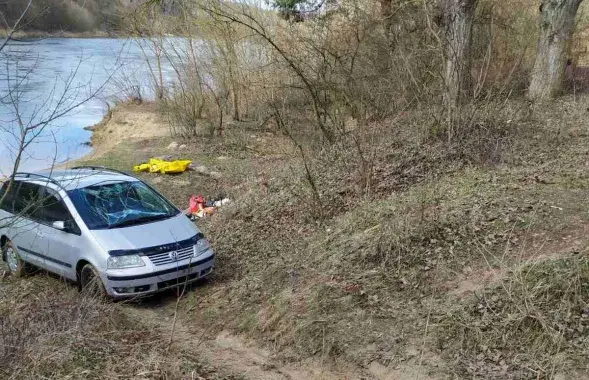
(201, 246)
(127, 261)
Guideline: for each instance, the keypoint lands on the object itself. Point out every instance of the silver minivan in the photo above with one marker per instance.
(102, 228)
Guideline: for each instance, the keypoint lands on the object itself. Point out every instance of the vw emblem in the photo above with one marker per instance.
(173, 255)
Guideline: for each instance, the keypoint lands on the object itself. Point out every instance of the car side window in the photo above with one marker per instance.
(53, 209)
(28, 200)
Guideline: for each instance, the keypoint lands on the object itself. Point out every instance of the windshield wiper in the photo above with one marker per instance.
(133, 222)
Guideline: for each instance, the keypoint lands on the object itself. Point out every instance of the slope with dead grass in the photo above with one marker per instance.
(531, 324)
(389, 271)
(48, 330)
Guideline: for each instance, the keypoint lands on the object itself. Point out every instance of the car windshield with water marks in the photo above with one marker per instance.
(109, 231)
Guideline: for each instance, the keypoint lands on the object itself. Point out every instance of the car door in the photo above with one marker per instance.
(24, 226)
(60, 248)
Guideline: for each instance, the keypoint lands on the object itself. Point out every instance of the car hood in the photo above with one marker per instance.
(167, 231)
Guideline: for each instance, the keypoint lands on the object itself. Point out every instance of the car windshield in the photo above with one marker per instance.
(120, 204)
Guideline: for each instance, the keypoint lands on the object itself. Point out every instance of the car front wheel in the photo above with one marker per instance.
(90, 282)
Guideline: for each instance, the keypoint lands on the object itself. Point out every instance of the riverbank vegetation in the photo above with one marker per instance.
(408, 179)
(75, 17)
(408, 183)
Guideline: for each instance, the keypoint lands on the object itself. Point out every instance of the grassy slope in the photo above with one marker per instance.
(466, 259)
(48, 330)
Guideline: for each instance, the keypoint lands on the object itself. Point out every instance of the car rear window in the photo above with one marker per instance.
(7, 200)
(120, 204)
(37, 203)
(23, 198)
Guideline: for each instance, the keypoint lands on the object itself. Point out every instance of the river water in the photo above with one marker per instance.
(38, 78)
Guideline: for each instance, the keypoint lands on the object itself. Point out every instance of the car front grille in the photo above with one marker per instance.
(171, 256)
(177, 281)
(184, 279)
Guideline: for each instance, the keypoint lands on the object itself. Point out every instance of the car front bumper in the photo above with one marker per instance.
(120, 284)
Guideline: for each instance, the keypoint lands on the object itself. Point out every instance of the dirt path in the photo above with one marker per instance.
(232, 355)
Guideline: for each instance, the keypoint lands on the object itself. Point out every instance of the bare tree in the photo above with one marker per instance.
(458, 20)
(26, 128)
(18, 25)
(557, 20)
(242, 15)
(230, 56)
(148, 27)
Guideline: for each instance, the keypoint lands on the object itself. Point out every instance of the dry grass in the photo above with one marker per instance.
(373, 279)
(353, 250)
(531, 325)
(48, 330)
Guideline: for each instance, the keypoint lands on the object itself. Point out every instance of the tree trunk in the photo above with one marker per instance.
(557, 21)
(386, 8)
(458, 20)
(234, 91)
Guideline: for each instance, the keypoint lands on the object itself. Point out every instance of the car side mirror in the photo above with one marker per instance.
(68, 226)
(60, 225)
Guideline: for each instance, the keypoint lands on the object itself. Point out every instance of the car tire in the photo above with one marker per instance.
(17, 266)
(90, 282)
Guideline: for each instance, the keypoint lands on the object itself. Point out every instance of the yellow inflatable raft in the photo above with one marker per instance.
(156, 165)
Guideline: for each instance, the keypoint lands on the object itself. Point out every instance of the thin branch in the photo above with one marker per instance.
(16, 26)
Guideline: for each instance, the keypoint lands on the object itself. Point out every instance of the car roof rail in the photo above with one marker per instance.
(39, 176)
(102, 168)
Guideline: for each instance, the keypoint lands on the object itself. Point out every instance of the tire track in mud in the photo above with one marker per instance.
(231, 355)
